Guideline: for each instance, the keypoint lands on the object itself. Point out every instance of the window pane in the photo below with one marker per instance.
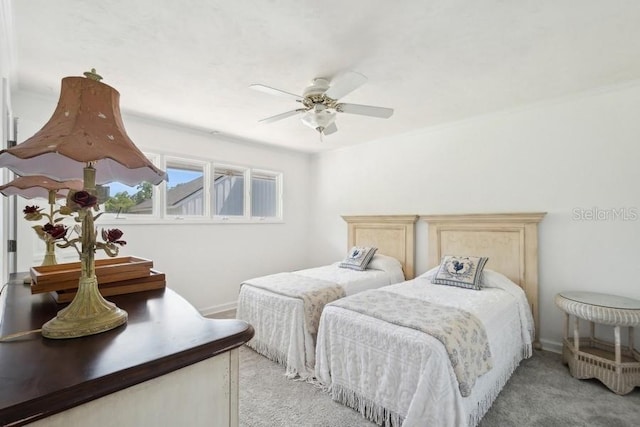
(264, 196)
(185, 191)
(123, 199)
(229, 193)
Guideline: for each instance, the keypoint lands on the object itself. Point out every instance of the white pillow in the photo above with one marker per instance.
(384, 263)
(428, 275)
(489, 279)
(493, 279)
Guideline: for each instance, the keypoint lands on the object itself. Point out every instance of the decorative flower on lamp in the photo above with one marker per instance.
(38, 186)
(48, 232)
(83, 203)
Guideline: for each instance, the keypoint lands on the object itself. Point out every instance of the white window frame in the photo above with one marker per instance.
(184, 163)
(278, 176)
(155, 205)
(244, 171)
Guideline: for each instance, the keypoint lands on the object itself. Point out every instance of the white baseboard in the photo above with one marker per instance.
(553, 346)
(214, 309)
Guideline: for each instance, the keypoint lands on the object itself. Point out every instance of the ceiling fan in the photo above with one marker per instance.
(320, 102)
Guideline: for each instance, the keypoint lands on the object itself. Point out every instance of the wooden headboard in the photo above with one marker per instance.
(393, 235)
(510, 240)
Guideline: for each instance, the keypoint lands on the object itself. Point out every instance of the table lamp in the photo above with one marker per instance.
(85, 138)
(42, 187)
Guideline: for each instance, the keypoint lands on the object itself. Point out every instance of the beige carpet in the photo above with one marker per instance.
(540, 393)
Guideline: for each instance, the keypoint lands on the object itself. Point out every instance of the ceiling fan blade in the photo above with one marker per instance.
(345, 83)
(274, 91)
(332, 128)
(282, 116)
(365, 110)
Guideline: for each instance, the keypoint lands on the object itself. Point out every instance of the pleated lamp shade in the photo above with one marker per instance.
(38, 186)
(86, 127)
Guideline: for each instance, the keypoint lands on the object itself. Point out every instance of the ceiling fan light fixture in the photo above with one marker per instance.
(320, 120)
(321, 102)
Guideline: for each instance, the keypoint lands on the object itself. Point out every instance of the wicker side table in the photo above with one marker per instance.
(615, 366)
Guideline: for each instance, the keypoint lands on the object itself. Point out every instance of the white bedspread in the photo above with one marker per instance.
(314, 293)
(354, 281)
(278, 320)
(400, 376)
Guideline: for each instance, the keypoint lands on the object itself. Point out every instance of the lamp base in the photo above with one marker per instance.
(88, 314)
(49, 259)
(50, 254)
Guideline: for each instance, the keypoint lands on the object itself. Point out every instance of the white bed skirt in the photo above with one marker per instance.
(282, 335)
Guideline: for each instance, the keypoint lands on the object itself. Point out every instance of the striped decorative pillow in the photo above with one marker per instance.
(358, 258)
(460, 271)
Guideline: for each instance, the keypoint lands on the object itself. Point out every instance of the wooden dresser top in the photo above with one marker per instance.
(40, 377)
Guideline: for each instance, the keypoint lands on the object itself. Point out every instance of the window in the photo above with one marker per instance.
(229, 191)
(265, 194)
(185, 195)
(129, 201)
(125, 200)
(199, 189)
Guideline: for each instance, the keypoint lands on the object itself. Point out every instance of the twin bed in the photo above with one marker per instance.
(284, 331)
(378, 360)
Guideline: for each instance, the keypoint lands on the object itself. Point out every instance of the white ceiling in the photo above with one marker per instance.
(436, 61)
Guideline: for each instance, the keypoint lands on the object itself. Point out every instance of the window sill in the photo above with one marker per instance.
(186, 221)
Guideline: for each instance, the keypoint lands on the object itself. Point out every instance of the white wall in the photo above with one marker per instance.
(580, 152)
(205, 263)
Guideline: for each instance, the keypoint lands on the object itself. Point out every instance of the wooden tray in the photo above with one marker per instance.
(66, 276)
(155, 280)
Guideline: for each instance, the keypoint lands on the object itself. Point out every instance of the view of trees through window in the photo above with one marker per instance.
(125, 199)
